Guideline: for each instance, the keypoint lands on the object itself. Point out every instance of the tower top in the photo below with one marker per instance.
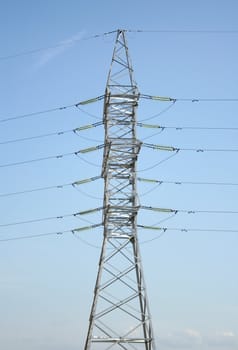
(120, 78)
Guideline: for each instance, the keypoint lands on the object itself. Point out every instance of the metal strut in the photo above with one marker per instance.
(120, 317)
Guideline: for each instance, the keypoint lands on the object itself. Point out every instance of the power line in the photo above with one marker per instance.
(177, 149)
(58, 133)
(154, 126)
(94, 210)
(87, 194)
(37, 220)
(94, 148)
(157, 182)
(161, 128)
(159, 228)
(74, 184)
(208, 149)
(58, 217)
(205, 211)
(37, 189)
(173, 99)
(71, 41)
(27, 115)
(73, 231)
(199, 128)
(85, 242)
(77, 130)
(88, 162)
(163, 229)
(187, 182)
(158, 163)
(179, 31)
(58, 156)
(166, 109)
(85, 127)
(34, 236)
(63, 44)
(50, 110)
(199, 229)
(88, 113)
(156, 98)
(98, 98)
(187, 211)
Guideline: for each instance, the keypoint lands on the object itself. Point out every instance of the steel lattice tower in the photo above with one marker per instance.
(120, 317)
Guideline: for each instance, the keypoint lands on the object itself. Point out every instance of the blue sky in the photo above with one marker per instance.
(46, 284)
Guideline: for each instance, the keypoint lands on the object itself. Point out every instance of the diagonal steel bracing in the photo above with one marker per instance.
(120, 317)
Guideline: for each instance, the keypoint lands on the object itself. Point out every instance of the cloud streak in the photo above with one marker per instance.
(194, 339)
(59, 49)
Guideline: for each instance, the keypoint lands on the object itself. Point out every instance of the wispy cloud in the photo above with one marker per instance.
(228, 334)
(58, 49)
(194, 339)
(192, 333)
(224, 339)
(182, 339)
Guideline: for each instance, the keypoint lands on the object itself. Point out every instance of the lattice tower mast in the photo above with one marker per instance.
(120, 317)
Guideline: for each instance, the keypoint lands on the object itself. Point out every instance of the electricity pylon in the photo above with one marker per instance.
(120, 317)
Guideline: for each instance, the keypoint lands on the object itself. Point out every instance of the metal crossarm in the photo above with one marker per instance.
(120, 317)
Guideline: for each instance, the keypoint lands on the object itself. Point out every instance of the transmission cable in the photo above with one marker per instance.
(37, 50)
(150, 190)
(166, 229)
(37, 160)
(95, 210)
(9, 194)
(199, 229)
(159, 163)
(157, 182)
(86, 194)
(160, 113)
(187, 127)
(88, 126)
(179, 31)
(187, 211)
(154, 226)
(88, 161)
(177, 149)
(76, 131)
(88, 113)
(59, 133)
(38, 220)
(161, 31)
(92, 100)
(77, 215)
(155, 134)
(50, 110)
(173, 99)
(84, 241)
(74, 184)
(17, 238)
(59, 156)
(161, 128)
(160, 182)
(73, 231)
